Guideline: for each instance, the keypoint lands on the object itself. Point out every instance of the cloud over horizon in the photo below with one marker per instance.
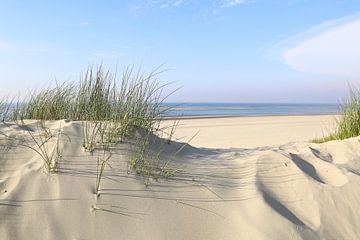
(331, 48)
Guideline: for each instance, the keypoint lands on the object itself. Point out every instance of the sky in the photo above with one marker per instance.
(285, 51)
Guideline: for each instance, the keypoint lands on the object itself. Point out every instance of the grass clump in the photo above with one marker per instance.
(49, 104)
(112, 109)
(147, 158)
(132, 100)
(151, 156)
(349, 123)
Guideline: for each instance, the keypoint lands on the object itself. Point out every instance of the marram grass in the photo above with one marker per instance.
(133, 99)
(111, 109)
(348, 125)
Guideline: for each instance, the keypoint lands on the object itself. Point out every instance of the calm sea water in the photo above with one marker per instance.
(247, 109)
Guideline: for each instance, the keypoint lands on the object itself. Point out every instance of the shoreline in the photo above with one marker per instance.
(189, 117)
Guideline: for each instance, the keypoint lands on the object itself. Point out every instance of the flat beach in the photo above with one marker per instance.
(252, 131)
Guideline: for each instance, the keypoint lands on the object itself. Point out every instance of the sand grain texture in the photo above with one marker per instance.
(296, 190)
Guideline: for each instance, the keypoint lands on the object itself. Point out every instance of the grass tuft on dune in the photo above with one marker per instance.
(348, 125)
(111, 109)
(98, 96)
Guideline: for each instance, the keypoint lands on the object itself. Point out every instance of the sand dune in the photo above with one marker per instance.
(296, 190)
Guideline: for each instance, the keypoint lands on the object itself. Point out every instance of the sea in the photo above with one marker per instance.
(246, 109)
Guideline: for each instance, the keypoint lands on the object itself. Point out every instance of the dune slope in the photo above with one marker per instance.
(293, 191)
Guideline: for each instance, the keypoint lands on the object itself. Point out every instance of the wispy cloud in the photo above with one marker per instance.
(232, 3)
(331, 48)
(143, 7)
(146, 7)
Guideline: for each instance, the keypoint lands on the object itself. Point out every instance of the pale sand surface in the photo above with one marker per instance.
(292, 191)
(250, 132)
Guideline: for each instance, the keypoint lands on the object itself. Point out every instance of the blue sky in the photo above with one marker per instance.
(218, 51)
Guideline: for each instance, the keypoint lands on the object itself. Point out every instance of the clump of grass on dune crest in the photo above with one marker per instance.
(111, 109)
(349, 123)
(49, 104)
(96, 96)
(134, 99)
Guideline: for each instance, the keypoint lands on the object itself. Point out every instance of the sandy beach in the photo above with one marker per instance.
(252, 132)
(241, 179)
(180, 120)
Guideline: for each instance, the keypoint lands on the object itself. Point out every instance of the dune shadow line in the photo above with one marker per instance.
(306, 167)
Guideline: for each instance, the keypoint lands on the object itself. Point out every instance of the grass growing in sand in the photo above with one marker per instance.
(43, 141)
(100, 167)
(112, 110)
(50, 156)
(149, 156)
(349, 124)
(135, 100)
